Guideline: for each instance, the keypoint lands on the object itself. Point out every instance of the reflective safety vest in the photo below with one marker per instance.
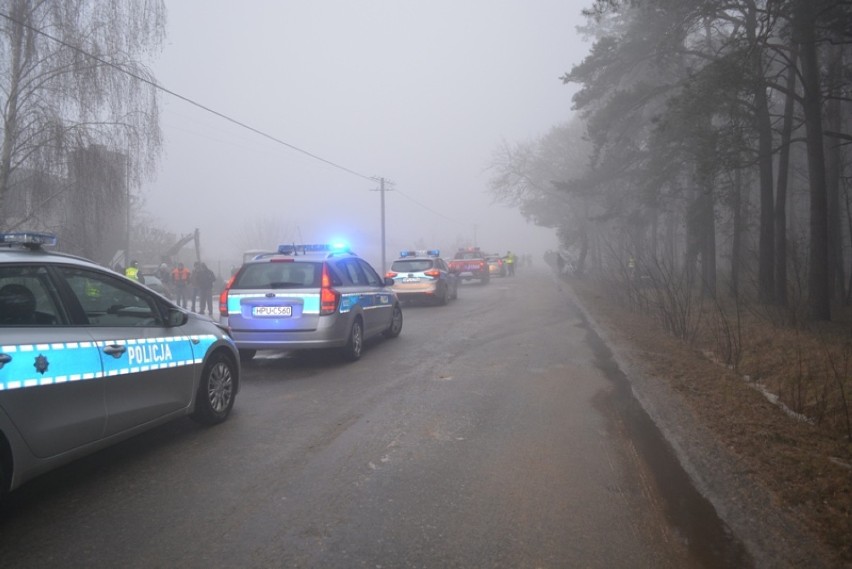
(93, 290)
(132, 273)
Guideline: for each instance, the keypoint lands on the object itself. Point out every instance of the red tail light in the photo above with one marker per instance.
(391, 274)
(223, 297)
(434, 273)
(328, 296)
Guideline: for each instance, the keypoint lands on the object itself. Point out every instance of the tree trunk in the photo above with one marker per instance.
(736, 240)
(781, 190)
(763, 124)
(10, 130)
(708, 245)
(834, 118)
(819, 300)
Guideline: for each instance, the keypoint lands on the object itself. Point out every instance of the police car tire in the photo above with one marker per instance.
(396, 323)
(204, 411)
(355, 344)
(4, 483)
(445, 296)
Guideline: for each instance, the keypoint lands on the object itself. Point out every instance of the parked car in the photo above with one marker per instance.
(156, 284)
(496, 266)
(89, 358)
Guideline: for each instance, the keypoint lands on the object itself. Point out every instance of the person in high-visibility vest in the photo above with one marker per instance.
(509, 259)
(180, 279)
(132, 272)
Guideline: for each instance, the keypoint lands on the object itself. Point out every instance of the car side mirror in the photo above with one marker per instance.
(388, 281)
(176, 317)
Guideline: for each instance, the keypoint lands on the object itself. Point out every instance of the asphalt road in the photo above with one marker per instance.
(494, 432)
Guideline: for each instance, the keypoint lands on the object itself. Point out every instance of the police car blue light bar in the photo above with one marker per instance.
(420, 253)
(293, 249)
(28, 238)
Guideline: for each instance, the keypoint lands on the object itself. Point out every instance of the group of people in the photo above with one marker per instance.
(191, 285)
(186, 286)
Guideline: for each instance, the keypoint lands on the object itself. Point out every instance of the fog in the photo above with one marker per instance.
(418, 93)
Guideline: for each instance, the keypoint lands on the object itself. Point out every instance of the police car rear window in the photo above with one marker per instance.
(279, 276)
(411, 265)
(28, 298)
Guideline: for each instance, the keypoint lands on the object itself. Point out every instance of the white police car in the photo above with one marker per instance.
(423, 275)
(89, 357)
(307, 297)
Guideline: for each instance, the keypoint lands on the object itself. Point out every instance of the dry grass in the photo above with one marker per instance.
(805, 464)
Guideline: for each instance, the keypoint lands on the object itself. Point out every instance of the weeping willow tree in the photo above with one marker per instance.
(72, 77)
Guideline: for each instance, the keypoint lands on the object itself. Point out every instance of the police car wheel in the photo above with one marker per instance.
(352, 350)
(4, 483)
(445, 296)
(396, 323)
(215, 396)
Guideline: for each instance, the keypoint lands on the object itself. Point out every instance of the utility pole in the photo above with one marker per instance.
(384, 261)
(127, 221)
(382, 191)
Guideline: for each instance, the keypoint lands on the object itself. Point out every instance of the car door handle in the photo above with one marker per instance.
(4, 359)
(115, 350)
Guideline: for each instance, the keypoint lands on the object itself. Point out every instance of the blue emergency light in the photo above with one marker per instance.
(30, 239)
(293, 249)
(420, 253)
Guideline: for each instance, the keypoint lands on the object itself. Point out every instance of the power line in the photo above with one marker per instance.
(424, 206)
(185, 99)
(215, 112)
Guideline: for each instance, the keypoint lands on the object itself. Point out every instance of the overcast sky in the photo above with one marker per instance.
(418, 92)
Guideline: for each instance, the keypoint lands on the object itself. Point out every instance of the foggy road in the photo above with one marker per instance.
(492, 433)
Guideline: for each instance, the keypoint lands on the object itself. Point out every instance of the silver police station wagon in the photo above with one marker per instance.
(307, 297)
(89, 357)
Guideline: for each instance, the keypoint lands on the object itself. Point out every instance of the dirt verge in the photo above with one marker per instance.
(782, 485)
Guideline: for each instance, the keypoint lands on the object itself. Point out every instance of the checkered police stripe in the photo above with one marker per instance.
(80, 361)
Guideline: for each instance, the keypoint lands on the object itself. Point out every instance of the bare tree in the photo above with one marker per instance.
(70, 78)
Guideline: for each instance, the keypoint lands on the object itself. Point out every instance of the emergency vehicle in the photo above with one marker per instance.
(306, 297)
(423, 275)
(89, 357)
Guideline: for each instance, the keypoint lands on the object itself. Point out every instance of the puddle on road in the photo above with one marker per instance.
(708, 538)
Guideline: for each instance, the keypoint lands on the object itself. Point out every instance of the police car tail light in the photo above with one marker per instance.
(328, 296)
(223, 297)
(391, 274)
(434, 273)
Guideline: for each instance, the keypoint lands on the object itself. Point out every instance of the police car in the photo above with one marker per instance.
(423, 275)
(89, 357)
(306, 297)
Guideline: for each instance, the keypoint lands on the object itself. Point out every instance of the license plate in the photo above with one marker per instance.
(275, 311)
(411, 280)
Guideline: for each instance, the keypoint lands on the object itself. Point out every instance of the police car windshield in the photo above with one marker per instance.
(411, 265)
(279, 275)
